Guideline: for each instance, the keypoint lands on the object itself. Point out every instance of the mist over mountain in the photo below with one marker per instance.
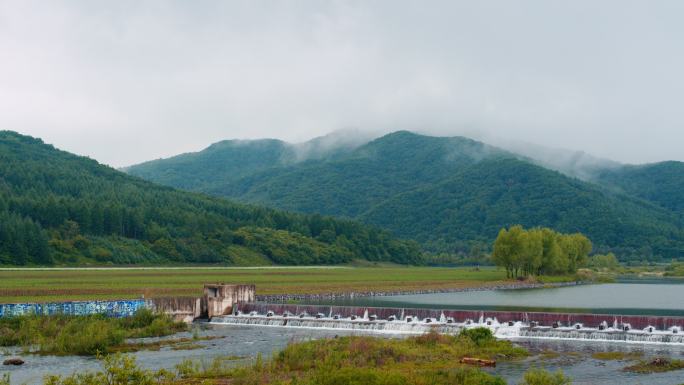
(56, 207)
(577, 164)
(229, 160)
(449, 193)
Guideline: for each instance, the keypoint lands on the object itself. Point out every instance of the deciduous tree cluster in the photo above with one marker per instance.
(539, 251)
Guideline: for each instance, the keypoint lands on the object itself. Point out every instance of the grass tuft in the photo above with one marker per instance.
(657, 365)
(617, 356)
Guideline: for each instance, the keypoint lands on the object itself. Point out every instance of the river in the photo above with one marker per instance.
(641, 297)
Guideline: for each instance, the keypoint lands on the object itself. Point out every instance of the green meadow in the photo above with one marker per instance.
(45, 285)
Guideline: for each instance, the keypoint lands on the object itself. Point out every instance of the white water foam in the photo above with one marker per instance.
(517, 330)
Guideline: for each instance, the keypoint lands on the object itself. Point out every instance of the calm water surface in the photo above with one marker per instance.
(615, 298)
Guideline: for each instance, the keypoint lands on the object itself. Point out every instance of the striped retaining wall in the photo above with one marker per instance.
(115, 308)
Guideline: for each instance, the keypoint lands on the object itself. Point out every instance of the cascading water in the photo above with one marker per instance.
(361, 324)
(641, 329)
(609, 334)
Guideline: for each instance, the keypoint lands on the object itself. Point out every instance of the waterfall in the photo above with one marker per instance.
(379, 326)
(611, 334)
(604, 327)
(446, 325)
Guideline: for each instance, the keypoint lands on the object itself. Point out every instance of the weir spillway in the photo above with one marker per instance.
(504, 324)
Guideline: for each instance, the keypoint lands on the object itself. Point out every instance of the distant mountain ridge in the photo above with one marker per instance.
(662, 182)
(454, 193)
(56, 207)
(242, 158)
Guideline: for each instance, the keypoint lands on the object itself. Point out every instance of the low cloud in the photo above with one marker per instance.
(128, 81)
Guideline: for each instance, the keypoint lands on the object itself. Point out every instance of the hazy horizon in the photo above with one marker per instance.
(126, 82)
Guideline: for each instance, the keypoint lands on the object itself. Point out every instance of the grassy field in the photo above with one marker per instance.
(32, 285)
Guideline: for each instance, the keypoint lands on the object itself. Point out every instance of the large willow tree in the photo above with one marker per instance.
(539, 251)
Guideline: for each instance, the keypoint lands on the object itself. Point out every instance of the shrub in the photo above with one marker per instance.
(118, 370)
(84, 336)
(479, 336)
(357, 376)
(543, 377)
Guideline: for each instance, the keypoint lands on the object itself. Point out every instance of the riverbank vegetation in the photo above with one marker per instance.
(617, 356)
(656, 365)
(428, 359)
(639, 363)
(539, 251)
(675, 269)
(608, 266)
(83, 335)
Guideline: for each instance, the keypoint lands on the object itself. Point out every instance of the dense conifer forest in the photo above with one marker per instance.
(57, 207)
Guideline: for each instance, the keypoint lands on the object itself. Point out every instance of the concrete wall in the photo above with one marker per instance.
(220, 298)
(119, 308)
(186, 309)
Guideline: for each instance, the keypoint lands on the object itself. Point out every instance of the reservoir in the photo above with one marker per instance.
(634, 297)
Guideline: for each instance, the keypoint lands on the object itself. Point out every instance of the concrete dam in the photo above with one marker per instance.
(236, 305)
(504, 324)
(217, 299)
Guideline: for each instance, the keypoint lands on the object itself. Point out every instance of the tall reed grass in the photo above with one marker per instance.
(82, 335)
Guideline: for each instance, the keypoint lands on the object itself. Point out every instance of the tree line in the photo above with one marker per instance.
(539, 251)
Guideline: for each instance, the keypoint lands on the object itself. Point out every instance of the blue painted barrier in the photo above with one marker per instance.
(118, 308)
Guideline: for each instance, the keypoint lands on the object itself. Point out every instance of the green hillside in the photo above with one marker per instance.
(225, 162)
(229, 160)
(351, 185)
(454, 193)
(662, 183)
(476, 203)
(56, 207)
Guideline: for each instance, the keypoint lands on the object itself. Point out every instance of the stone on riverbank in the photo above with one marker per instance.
(13, 361)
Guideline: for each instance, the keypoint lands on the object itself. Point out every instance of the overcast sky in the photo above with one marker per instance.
(127, 81)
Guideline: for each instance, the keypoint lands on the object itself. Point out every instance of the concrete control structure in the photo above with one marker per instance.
(217, 299)
(221, 298)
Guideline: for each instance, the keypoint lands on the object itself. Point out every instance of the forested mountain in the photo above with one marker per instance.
(662, 183)
(227, 161)
(477, 202)
(349, 184)
(56, 207)
(451, 194)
